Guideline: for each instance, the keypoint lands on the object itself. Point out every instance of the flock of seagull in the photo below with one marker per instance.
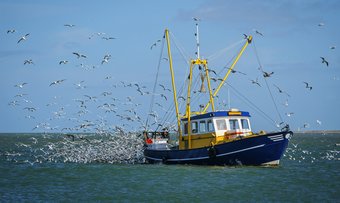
(81, 118)
(82, 111)
(281, 91)
(128, 113)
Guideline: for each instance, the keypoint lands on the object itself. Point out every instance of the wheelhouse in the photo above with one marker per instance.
(216, 127)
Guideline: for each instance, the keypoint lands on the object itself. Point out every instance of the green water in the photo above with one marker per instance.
(309, 172)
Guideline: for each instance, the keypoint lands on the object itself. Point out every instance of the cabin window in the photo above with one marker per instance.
(194, 127)
(185, 128)
(203, 126)
(221, 124)
(233, 124)
(210, 126)
(245, 124)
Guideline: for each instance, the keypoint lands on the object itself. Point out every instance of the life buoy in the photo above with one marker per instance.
(148, 141)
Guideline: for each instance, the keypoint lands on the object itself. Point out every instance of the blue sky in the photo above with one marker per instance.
(291, 47)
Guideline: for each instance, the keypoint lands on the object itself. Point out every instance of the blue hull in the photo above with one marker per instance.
(257, 150)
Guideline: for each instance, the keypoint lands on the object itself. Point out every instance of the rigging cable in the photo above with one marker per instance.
(251, 104)
(271, 95)
(224, 50)
(155, 84)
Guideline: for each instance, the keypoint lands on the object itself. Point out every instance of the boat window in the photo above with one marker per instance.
(234, 124)
(194, 127)
(221, 124)
(203, 126)
(244, 123)
(210, 126)
(185, 128)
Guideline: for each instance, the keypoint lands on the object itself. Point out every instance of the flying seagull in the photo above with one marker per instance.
(321, 24)
(69, 25)
(23, 38)
(307, 86)
(79, 55)
(162, 95)
(324, 61)
(153, 45)
(29, 61)
(256, 82)
(63, 62)
(267, 75)
(318, 122)
(20, 85)
(281, 91)
(196, 19)
(258, 32)
(108, 38)
(57, 82)
(11, 31)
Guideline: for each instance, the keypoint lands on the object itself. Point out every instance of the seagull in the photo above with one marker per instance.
(20, 95)
(63, 62)
(210, 70)
(266, 74)
(307, 86)
(281, 91)
(29, 61)
(23, 38)
(31, 109)
(11, 31)
(79, 55)
(289, 114)
(196, 19)
(79, 85)
(286, 103)
(69, 25)
(20, 85)
(108, 38)
(321, 24)
(235, 71)
(164, 88)
(318, 122)
(324, 61)
(332, 47)
(105, 60)
(153, 45)
(257, 32)
(255, 82)
(57, 82)
(162, 95)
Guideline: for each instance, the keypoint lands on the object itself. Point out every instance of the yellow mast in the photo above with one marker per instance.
(229, 71)
(173, 84)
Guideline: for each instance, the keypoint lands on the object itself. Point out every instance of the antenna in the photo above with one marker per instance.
(197, 38)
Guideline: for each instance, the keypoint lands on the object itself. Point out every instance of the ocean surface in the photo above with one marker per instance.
(65, 168)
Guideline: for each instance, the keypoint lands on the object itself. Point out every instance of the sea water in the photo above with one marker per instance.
(41, 167)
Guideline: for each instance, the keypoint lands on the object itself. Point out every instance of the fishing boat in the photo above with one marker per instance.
(213, 137)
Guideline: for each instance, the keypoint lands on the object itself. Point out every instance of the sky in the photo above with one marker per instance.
(100, 92)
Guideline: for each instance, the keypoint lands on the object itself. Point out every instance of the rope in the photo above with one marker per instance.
(271, 95)
(154, 86)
